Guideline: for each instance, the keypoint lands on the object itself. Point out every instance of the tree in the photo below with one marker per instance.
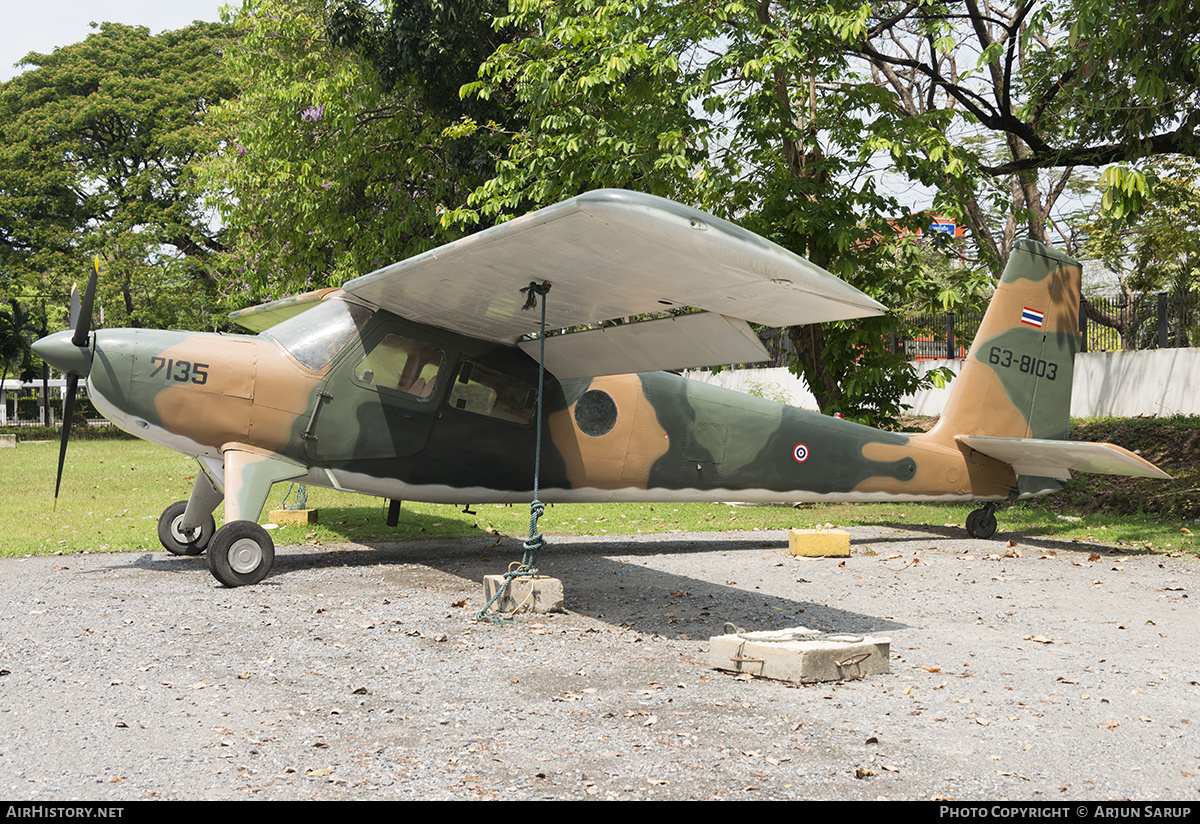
(15, 325)
(741, 109)
(96, 146)
(435, 46)
(1156, 248)
(1016, 95)
(330, 168)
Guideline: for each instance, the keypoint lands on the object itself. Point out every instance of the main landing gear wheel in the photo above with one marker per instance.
(982, 522)
(178, 542)
(241, 553)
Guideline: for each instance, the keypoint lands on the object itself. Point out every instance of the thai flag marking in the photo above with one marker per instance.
(1033, 317)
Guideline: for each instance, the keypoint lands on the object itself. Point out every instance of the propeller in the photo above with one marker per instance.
(81, 324)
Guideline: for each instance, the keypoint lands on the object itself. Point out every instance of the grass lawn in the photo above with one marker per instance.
(114, 491)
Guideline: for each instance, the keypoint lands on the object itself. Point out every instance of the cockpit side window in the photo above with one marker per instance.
(401, 364)
(485, 391)
(316, 336)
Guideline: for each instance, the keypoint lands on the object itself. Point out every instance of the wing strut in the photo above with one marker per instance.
(534, 543)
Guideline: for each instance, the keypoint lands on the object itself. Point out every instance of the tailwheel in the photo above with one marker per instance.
(241, 553)
(982, 522)
(178, 542)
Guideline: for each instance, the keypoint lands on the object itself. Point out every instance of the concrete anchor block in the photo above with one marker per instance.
(294, 516)
(819, 543)
(8, 441)
(540, 594)
(777, 655)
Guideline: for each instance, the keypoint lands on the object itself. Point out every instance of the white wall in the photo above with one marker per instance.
(1159, 382)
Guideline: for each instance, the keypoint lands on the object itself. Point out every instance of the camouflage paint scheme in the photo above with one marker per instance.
(653, 436)
(298, 402)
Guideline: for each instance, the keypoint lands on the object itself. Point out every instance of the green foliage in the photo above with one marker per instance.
(1157, 244)
(1125, 191)
(1171, 443)
(1152, 247)
(746, 110)
(1015, 97)
(1130, 72)
(323, 175)
(96, 146)
(16, 330)
(436, 46)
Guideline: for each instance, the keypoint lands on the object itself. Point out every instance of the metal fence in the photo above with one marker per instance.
(21, 405)
(1157, 320)
(927, 336)
(1153, 320)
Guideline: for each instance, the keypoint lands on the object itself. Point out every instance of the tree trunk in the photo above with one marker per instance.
(809, 342)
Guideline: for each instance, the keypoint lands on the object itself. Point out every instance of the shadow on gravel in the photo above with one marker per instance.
(997, 543)
(609, 580)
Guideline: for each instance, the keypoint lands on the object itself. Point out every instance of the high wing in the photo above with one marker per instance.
(1056, 459)
(612, 254)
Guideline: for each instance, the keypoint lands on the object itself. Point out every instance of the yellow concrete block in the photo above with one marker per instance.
(293, 516)
(819, 543)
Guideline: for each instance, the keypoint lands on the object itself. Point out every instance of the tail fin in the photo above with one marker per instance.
(1016, 380)
(1012, 400)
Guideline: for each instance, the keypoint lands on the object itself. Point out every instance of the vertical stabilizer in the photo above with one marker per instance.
(1016, 380)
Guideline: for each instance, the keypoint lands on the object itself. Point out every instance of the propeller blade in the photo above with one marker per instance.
(83, 326)
(68, 413)
(76, 305)
(81, 321)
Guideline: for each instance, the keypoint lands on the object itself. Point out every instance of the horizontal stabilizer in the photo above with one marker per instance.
(1056, 459)
(681, 342)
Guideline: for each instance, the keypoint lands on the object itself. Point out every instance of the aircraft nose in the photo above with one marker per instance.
(58, 351)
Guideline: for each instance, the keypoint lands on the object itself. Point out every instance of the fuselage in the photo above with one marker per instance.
(373, 403)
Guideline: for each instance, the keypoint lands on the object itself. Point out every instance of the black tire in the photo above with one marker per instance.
(176, 542)
(241, 553)
(981, 523)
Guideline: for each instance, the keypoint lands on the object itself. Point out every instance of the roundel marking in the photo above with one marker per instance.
(800, 453)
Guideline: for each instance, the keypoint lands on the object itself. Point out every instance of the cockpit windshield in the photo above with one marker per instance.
(314, 337)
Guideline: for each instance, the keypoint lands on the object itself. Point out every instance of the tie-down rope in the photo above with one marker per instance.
(534, 543)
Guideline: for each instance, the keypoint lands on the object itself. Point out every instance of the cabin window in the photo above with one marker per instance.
(595, 413)
(401, 364)
(485, 391)
(315, 336)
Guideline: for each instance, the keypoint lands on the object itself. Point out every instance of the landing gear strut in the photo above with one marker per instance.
(982, 522)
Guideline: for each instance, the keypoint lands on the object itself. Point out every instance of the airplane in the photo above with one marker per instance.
(419, 381)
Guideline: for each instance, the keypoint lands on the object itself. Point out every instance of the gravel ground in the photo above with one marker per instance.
(1041, 671)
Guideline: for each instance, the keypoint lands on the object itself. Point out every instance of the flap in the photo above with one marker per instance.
(680, 342)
